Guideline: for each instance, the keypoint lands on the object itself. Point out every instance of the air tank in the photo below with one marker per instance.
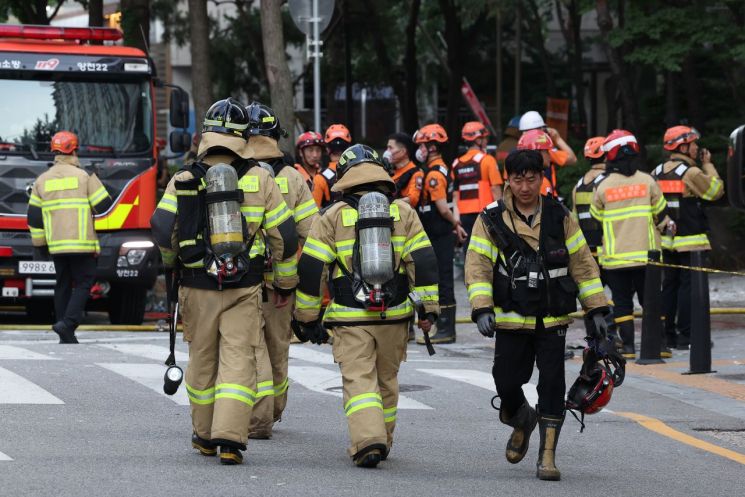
(226, 229)
(376, 254)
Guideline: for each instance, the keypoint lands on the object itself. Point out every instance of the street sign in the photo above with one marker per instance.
(302, 13)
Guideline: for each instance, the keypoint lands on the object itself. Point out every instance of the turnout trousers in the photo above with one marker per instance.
(75, 276)
(676, 298)
(369, 358)
(223, 330)
(271, 367)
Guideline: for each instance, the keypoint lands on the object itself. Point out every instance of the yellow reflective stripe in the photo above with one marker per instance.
(72, 244)
(338, 311)
(265, 389)
(398, 243)
(427, 292)
(252, 213)
(514, 318)
(65, 203)
(484, 247)
(689, 240)
(344, 248)
(660, 205)
(480, 289)
(276, 216)
(714, 187)
(98, 196)
(206, 396)
(258, 248)
(319, 250)
(305, 301)
(282, 387)
(34, 200)
(249, 184)
(575, 242)
(288, 268)
(363, 401)
(187, 243)
(235, 392)
(168, 256)
(59, 184)
(168, 203)
(590, 287)
(596, 213)
(610, 260)
(305, 210)
(667, 242)
(389, 414)
(193, 265)
(418, 241)
(628, 212)
(583, 198)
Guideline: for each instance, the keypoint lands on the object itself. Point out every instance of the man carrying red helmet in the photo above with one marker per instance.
(686, 178)
(309, 150)
(61, 224)
(337, 140)
(631, 208)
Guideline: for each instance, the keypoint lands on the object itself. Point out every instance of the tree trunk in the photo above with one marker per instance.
(671, 99)
(535, 28)
(693, 95)
(410, 108)
(136, 23)
(277, 70)
(95, 12)
(201, 82)
(455, 59)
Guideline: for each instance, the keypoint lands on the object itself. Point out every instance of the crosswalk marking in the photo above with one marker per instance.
(10, 352)
(3, 457)
(149, 375)
(320, 379)
(480, 379)
(15, 389)
(307, 354)
(154, 352)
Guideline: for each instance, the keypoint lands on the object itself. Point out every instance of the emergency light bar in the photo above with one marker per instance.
(37, 32)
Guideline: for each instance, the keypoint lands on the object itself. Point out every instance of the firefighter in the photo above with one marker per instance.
(264, 132)
(370, 311)
(207, 226)
(527, 264)
(337, 139)
(582, 194)
(686, 178)
(508, 143)
(61, 224)
(540, 141)
(442, 227)
(407, 176)
(629, 205)
(476, 179)
(309, 152)
(561, 154)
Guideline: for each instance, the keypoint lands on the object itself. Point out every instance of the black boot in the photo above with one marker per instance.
(205, 447)
(370, 456)
(626, 330)
(523, 422)
(549, 428)
(66, 335)
(230, 456)
(445, 327)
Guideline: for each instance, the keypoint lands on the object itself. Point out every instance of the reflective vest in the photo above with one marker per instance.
(434, 224)
(474, 191)
(685, 211)
(591, 227)
(529, 282)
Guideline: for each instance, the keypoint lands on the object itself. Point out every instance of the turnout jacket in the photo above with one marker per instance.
(484, 258)
(60, 205)
(263, 207)
(684, 185)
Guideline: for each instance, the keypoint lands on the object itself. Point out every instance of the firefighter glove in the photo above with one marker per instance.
(600, 327)
(485, 324)
(315, 332)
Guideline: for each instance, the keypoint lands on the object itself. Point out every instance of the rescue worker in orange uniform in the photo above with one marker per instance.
(206, 209)
(526, 266)
(476, 179)
(309, 152)
(264, 132)
(337, 139)
(508, 143)
(442, 227)
(560, 154)
(536, 139)
(369, 320)
(61, 223)
(686, 179)
(407, 175)
(631, 208)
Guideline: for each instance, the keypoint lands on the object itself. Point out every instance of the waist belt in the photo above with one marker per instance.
(552, 273)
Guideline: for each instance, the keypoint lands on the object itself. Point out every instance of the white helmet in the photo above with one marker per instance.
(531, 120)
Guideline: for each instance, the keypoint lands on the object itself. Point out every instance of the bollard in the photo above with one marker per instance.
(700, 357)
(651, 313)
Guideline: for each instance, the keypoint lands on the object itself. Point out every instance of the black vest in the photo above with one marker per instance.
(330, 176)
(434, 224)
(591, 228)
(527, 282)
(685, 211)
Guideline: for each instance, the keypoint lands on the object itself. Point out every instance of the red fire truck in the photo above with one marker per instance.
(51, 79)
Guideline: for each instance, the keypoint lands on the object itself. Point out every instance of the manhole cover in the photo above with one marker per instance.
(734, 377)
(401, 388)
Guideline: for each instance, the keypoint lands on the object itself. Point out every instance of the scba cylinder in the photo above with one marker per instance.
(376, 256)
(223, 212)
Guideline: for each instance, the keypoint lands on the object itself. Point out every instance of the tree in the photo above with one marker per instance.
(201, 82)
(136, 23)
(30, 11)
(95, 12)
(571, 27)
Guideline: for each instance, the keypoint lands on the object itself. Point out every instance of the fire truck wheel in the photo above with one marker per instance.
(127, 304)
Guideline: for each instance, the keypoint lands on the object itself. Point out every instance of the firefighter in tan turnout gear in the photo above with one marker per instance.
(61, 224)
(526, 266)
(264, 132)
(207, 225)
(377, 253)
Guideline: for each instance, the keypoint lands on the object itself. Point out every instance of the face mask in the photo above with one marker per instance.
(387, 155)
(420, 155)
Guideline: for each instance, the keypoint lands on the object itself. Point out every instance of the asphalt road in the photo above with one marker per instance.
(92, 420)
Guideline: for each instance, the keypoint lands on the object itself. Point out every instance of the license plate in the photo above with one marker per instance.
(36, 267)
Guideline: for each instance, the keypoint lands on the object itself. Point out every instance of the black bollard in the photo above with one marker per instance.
(700, 357)
(652, 312)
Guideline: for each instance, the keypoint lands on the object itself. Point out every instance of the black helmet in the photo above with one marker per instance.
(354, 155)
(227, 116)
(263, 121)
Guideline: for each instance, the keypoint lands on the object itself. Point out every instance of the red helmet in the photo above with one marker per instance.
(338, 131)
(678, 135)
(64, 142)
(473, 130)
(594, 147)
(431, 133)
(617, 140)
(309, 138)
(535, 139)
(591, 391)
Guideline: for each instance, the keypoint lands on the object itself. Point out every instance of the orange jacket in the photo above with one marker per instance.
(322, 183)
(413, 187)
(473, 175)
(308, 179)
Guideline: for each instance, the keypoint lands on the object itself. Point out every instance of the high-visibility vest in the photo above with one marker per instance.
(474, 190)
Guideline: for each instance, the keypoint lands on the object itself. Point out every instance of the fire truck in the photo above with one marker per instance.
(58, 78)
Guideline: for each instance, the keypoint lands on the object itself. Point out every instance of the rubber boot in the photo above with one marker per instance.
(445, 327)
(205, 447)
(230, 456)
(523, 423)
(549, 428)
(626, 330)
(370, 456)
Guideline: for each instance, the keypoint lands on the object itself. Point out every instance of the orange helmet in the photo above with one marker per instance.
(594, 147)
(678, 135)
(64, 142)
(338, 131)
(308, 139)
(535, 139)
(473, 130)
(431, 133)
